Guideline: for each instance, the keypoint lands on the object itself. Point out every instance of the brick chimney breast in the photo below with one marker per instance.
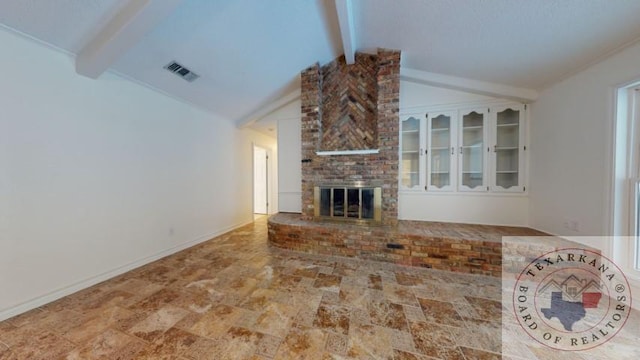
(352, 107)
(349, 102)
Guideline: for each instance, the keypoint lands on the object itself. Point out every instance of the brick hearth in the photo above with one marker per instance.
(465, 248)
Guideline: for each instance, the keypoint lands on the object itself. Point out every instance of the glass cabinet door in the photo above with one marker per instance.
(472, 151)
(410, 153)
(440, 152)
(508, 149)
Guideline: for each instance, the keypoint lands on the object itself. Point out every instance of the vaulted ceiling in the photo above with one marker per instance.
(249, 53)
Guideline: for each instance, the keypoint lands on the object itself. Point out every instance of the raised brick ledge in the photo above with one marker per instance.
(466, 248)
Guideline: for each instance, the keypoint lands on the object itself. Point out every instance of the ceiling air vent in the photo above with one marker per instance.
(181, 71)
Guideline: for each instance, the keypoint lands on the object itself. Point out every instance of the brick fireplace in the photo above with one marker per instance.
(350, 128)
(350, 145)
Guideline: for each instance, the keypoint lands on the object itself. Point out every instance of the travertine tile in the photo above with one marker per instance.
(386, 314)
(217, 321)
(328, 282)
(359, 317)
(275, 319)
(5, 352)
(479, 354)
(110, 344)
(268, 346)
(404, 355)
(94, 324)
(375, 282)
(302, 344)
(369, 342)
(305, 318)
(486, 309)
(169, 345)
(401, 340)
(414, 314)
(407, 278)
(430, 338)
(155, 301)
(234, 297)
(400, 294)
(34, 344)
(30, 316)
(157, 323)
(332, 318)
(479, 334)
(337, 344)
(441, 312)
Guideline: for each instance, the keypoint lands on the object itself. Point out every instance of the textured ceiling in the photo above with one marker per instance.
(66, 24)
(523, 43)
(246, 51)
(251, 51)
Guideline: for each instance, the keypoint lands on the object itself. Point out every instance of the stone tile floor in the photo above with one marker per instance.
(234, 297)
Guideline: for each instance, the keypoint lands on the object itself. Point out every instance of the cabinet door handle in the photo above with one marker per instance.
(453, 151)
(460, 150)
(495, 148)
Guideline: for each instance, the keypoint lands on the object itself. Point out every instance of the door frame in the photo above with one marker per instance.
(269, 177)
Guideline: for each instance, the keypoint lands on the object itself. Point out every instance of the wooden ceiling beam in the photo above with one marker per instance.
(124, 30)
(347, 32)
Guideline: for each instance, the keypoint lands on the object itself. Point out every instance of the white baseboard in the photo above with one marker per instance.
(70, 289)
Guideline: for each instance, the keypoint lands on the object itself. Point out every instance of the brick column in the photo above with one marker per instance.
(311, 133)
(388, 130)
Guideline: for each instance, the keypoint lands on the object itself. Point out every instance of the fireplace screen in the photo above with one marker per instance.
(343, 202)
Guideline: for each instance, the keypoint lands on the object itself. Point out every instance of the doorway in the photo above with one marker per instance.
(260, 180)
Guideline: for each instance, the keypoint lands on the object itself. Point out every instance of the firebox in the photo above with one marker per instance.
(348, 202)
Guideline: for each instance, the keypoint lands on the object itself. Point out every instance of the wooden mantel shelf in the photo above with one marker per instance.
(348, 152)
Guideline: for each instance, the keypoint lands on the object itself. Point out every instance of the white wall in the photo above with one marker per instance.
(495, 209)
(571, 133)
(572, 154)
(289, 148)
(414, 96)
(490, 209)
(98, 176)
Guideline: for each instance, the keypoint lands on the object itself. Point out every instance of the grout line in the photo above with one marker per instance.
(480, 349)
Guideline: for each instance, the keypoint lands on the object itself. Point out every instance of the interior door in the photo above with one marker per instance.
(260, 181)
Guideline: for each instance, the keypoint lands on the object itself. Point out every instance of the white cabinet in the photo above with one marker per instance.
(441, 151)
(508, 148)
(410, 150)
(477, 149)
(472, 155)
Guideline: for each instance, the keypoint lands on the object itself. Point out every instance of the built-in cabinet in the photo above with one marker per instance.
(478, 149)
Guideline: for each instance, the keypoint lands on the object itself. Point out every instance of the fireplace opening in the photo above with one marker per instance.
(348, 202)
